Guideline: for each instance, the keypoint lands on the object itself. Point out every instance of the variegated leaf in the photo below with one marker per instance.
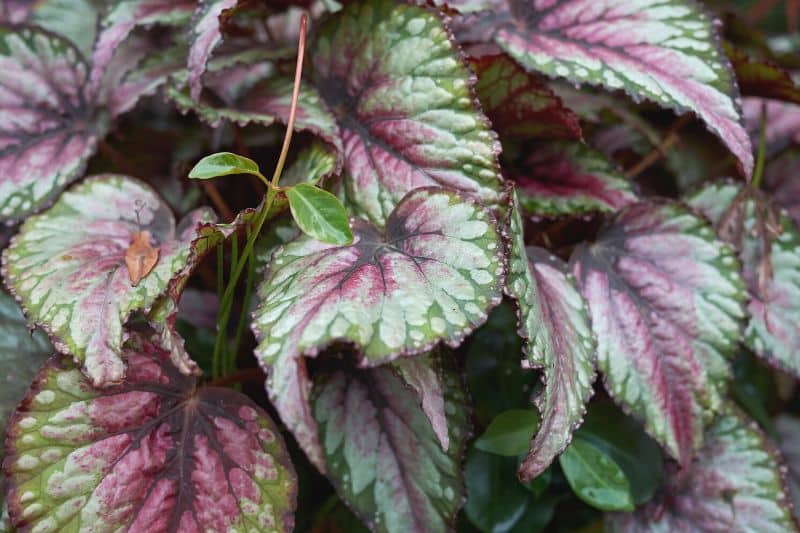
(666, 303)
(21, 355)
(402, 98)
(520, 104)
(76, 20)
(769, 247)
(734, 484)
(554, 321)
(67, 267)
(48, 129)
(788, 428)
(154, 453)
(384, 457)
(570, 178)
(664, 50)
(206, 35)
(762, 78)
(783, 121)
(431, 276)
(423, 375)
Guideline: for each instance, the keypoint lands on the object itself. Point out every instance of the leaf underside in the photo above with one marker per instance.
(666, 303)
(151, 454)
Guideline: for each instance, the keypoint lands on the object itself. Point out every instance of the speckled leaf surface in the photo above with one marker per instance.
(382, 453)
(206, 36)
(520, 104)
(666, 51)
(67, 267)
(788, 428)
(21, 355)
(554, 321)
(154, 453)
(734, 484)
(48, 129)
(76, 20)
(431, 276)
(403, 101)
(666, 303)
(568, 179)
(122, 17)
(769, 247)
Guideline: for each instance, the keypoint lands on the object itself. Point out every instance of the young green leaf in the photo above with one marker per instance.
(509, 433)
(223, 164)
(595, 477)
(319, 214)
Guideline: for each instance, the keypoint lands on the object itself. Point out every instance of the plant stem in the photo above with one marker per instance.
(761, 156)
(659, 151)
(220, 284)
(236, 271)
(237, 339)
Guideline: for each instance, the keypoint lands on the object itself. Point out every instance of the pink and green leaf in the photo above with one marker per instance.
(666, 51)
(770, 266)
(734, 484)
(559, 179)
(404, 104)
(431, 277)
(49, 129)
(154, 453)
(521, 104)
(75, 20)
(67, 267)
(666, 303)
(383, 455)
(554, 321)
(783, 121)
(788, 428)
(762, 78)
(206, 36)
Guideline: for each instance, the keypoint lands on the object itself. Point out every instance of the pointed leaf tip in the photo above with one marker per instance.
(223, 164)
(319, 214)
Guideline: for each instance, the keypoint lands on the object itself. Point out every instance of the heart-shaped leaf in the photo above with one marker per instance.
(319, 214)
(49, 129)
(383, 455)
(665, 51)
(568, 179)
(554, 322)
(431, 276)
(769, 247)
(67, 267)
(666, 303)
(519, 103)
(734, 484)
(402, 98)
(154, 453)
(21, 355)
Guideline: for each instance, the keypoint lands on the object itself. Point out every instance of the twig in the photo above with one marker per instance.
(659, 151)
(218, 200)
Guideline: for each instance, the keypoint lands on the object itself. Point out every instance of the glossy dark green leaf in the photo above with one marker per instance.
(496, 501)
(595, 477)
(623, 439)
(223, 164)
(319, 214)
(509, 433)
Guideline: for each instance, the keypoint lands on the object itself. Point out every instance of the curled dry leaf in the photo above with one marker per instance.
(140, 257)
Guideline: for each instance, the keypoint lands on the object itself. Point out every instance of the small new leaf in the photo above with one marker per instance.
(140, 257)
(319, 214)
(223, 164)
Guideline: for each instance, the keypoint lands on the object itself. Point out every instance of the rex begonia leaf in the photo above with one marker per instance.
(554, 321)
(48, 129)
(67, 267)
(384, 457)
(206, 35)
(520, 104)
(788, 428)
(154, 453)
(568, 179)
(423, 375)
(403, 100)
(666, 51)
(769, 248)
(21, 355)
(762, 78)
(431, 276)
(733, 484)
(666, 303)
(123, 17)
(782, 121)
(76, 20)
